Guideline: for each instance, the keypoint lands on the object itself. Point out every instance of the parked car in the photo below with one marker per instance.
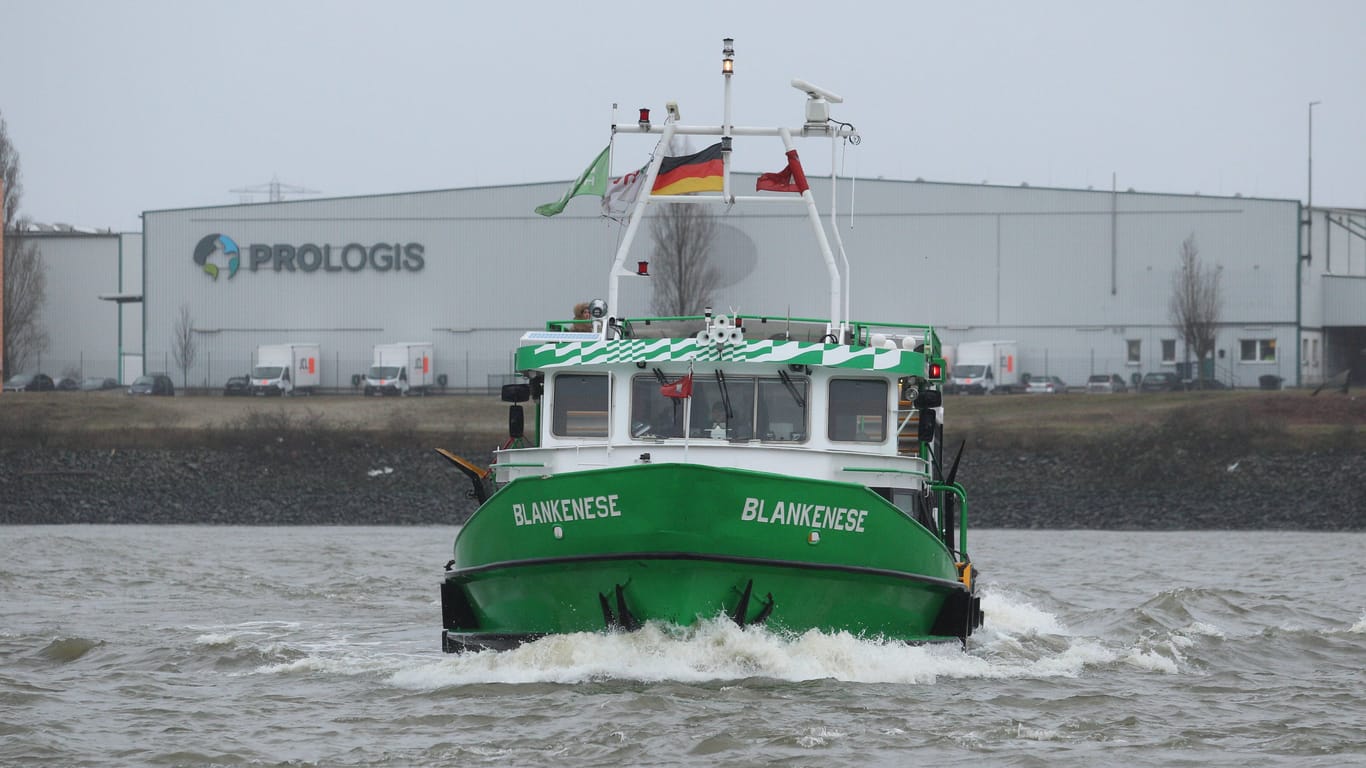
(1160, 382)
(153, 384)
(67, 384)
(29, 382)
(97, 383)
(1046, 385)
(1106, 383)
(237, 386)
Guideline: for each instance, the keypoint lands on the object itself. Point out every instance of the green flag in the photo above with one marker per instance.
(593, 181)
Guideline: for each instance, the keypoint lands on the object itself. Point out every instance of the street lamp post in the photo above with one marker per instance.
(1309, 203)
(1308, 234)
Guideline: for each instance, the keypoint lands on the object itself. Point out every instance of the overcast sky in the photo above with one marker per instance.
(121, 107)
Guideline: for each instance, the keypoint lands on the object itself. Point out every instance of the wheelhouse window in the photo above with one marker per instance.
(580, 405)
(722, 408)
(652, 414)
(780, 409)
(1257, 350)
(858, 410)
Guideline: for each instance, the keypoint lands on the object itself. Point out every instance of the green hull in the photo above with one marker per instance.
(676, 543)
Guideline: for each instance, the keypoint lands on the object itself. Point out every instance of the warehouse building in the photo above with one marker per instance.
(1080, 279)
(87, 336)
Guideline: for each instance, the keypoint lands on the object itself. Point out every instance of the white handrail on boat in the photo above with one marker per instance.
(839, 319)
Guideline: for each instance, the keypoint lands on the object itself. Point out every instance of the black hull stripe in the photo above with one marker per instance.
(460, 642)
(858, 570)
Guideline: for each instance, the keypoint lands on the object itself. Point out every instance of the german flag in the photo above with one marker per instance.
(690, 173)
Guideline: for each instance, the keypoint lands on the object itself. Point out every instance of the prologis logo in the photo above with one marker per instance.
(213, 244)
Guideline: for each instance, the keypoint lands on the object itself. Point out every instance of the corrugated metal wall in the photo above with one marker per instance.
(82, 330)
(1070, 274)
(490, 269)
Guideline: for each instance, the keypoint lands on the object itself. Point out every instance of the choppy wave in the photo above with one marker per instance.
(1173, 633)
(285, 648)
(1181, 649)
(1020, 641)
(68, 649)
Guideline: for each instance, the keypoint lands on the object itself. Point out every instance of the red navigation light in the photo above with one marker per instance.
(643, 268)
(936, 370)
(644, 117)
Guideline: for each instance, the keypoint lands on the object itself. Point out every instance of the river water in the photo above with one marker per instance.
(168, 646)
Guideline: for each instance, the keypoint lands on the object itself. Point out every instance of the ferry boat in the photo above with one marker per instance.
(782, 472)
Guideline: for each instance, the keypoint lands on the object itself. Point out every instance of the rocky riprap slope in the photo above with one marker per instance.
(1316, 491)
(1126, 485)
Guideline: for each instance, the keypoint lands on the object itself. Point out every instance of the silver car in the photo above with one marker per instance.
(1106, 384)
(1046, 385)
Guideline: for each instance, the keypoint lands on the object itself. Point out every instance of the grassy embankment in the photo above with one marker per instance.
(112, 419)
(1194, 422)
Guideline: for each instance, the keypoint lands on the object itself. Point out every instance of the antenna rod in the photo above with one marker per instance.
(727, 69)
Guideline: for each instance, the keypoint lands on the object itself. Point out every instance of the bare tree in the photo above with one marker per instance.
(25, 292)
(684, 278)
(21, 272)
(184, 345)
(9, 172)
(1196, 303)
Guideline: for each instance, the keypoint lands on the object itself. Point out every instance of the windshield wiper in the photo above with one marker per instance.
(725, 394)
(792, 389)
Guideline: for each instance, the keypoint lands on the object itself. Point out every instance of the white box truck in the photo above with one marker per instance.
(405, 368)
(286, 369)
(985, 367)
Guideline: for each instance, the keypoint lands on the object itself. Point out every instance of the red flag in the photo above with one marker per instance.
(678, 389)
(790, 179)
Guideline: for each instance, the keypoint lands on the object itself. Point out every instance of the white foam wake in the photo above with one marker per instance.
(1020, 641)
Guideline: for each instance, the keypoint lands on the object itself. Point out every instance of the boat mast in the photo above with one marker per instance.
(817, 124)
(835, 230)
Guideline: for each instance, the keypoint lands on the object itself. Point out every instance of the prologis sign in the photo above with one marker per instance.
(216, 253)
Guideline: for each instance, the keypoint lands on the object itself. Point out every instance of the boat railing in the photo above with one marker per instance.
(945, 532)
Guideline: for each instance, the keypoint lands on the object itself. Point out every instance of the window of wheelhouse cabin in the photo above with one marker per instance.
(780, 410)
(652, 414)
(580, 408)
(767, 409)
(710, 416)
(858, 410)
